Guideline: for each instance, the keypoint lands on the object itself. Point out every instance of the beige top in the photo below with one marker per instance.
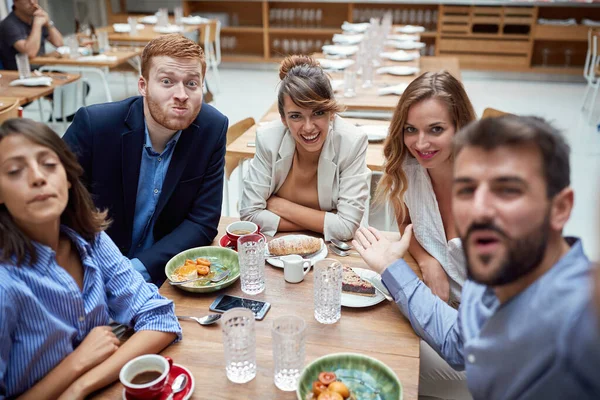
(307, 180)
(342, 177)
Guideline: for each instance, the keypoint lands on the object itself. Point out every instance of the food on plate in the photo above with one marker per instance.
(327, 387)
(191, 269)
(301, 245)
(354, 284)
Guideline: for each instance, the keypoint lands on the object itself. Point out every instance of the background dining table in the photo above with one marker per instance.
(379, 331)
(27, 94)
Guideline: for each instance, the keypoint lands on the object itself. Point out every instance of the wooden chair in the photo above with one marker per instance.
(10, 112)
(590, 70)
(235, 131)
(493, 113)
(210, 40)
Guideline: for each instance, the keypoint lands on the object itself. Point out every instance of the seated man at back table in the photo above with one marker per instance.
(156, 161)
(526, 327)
(25, 30)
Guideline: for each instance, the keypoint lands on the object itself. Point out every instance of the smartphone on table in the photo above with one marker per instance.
(226, 302)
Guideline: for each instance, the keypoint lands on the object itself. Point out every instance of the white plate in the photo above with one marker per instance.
(404, 38)
(33, 81)
(124, 28)
(168, 29)
(410, 29)
(396, 89)
(375, 133)
(348, 39)
(340, 50)
(355, 28)
(194, 20)
(356, 301)
(406, 45)
(400, 55)
(334, 64)
(398, 70)
(149, 19)
(321, 255)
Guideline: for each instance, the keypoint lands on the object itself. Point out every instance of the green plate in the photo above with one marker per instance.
(366, 377)
(222, 258)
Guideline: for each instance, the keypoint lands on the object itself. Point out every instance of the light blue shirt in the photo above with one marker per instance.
(44, 315)
(542, 344)
(153, 170)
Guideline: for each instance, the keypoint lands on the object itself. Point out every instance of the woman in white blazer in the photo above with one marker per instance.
(309, 171)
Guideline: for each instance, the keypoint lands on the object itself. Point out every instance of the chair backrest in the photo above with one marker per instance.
(236, 130)
(10, 112)
(210, 38)
(492, 113)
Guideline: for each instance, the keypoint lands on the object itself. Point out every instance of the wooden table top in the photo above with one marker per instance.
(121, 54)
(27, 94)
(6, 102)
(380, 331)
(143, 35)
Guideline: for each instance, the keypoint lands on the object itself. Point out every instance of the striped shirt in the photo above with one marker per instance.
(44, 315)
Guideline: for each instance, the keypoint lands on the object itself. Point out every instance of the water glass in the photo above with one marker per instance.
(178, 11)
(328, 291)
(367, 73)
(349, 82)
(289, 341)
(132, 26)
(103, 44)
(239, 345)
(23, 65)
(251, 254)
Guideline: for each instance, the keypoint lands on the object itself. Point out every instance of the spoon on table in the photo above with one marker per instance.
(341, 245)
(206, 320)
(178, 385)
(216, 278)
(343, 253)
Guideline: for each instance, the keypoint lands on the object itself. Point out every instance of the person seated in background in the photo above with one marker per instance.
(25, 30)
(526, 327)
(62, 279)
(310, 170)
(156, 162)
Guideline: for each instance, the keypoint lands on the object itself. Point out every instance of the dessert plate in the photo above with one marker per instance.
(356, 301)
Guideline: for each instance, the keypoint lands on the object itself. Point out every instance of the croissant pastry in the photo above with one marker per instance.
(301, 245)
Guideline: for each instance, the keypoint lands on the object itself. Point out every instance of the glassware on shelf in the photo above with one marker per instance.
(412, 17)
(405, 16)
(427, 20)
(286, 46)
(420, 16)
(397, 16)
(545, 56)
(294, 46)
(312, 18)
(303, 46)
(568, 56)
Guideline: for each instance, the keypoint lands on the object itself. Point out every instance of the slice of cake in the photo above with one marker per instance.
(354, 284)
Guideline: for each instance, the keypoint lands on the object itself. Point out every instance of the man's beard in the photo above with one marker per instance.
(161, 117)
(524, 254)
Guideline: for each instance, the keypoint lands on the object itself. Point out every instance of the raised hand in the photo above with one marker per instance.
(377, 251)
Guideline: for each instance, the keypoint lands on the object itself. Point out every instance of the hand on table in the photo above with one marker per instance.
(377, 251)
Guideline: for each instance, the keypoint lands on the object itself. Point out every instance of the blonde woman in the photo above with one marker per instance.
(309, 171)
(417, 176)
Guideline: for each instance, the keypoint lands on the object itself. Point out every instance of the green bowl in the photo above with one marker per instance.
(222, 257)
(366, 377)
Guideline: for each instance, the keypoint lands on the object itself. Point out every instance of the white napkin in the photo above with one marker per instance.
(375, 133)
(405, 45)
(410, 29)
(396, 89)
(398, 70)
(589, 22)
(404, 38)
(99, 57)
(339, 50)
(124, 28)
(566, 22)
(65, 50)
(149, 19)
(337, 84)
(355, 28)
(34, 81)
(168, 29)
(335, 64)
(347, 39)
(194, 20)
(400, 55)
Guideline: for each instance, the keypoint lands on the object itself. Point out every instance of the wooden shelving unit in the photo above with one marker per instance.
(505, 38)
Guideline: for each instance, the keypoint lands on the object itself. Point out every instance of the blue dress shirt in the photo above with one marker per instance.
(543, 343)
(44, 315)
(153, 169)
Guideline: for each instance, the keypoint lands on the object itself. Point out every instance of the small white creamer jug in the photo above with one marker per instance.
(295, 268)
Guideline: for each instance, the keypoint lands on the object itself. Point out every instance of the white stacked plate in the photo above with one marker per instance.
(405, 45)
(335, 64)
(400, 55)
(398, 70)
(339, 50)
(410, 29)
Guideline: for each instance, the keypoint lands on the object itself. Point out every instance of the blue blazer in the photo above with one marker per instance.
(108, 140)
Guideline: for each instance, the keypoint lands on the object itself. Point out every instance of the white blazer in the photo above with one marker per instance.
(343, 177)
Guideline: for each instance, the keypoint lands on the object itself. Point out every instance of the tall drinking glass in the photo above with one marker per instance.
(23, 65)
(349, 82)
(132, 26)
(178, 11)
(239, 345)
(251, 254)
(328, 291)
(289, 341)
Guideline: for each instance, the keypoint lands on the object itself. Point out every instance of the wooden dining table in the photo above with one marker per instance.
(27, 94)
(145, 35)
(379, 331)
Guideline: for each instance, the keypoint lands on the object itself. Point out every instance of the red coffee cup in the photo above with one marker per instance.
(240, 228)
(145, 376)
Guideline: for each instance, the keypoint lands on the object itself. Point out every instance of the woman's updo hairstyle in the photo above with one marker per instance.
(303, 79)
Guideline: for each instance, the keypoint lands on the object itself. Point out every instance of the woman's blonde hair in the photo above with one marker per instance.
(303, 79)
(438, 85)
